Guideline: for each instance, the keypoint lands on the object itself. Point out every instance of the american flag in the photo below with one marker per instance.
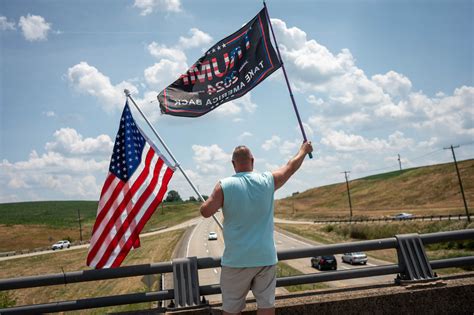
(137, 181)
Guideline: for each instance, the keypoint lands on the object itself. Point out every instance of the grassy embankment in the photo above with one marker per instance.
(430, 190)
(285, 270)
(338, 233)
(155, 248)
(28, 225)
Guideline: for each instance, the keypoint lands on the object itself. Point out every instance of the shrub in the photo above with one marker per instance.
(6, 300)
(328, 228)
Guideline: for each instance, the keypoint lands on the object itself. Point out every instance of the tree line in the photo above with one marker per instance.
(173, 196)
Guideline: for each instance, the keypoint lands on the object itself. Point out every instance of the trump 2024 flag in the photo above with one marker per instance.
(227, 71)
(137, 181)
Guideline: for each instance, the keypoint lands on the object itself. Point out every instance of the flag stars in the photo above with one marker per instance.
(128, 147)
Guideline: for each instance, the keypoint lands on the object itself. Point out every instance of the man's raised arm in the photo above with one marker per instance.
(213, 203)
(281, 175)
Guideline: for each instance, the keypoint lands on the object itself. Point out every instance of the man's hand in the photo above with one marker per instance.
(306, 147)
(213, 203)
(281, 175)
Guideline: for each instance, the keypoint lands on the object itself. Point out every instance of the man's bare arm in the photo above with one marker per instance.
(281, 175)
(213, 203)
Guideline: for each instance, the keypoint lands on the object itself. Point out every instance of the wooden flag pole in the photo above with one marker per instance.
(286, 79)
(127, 93)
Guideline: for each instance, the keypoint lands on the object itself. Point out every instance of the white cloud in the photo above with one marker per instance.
(89, 80)
(34, 27)
(61, 172)
(271, 143)
(148, 6)
(5, 25)
(53, 174)
(211, 159)
(162, 51)
(393, 83)
(244, 135)
(317, 102)
(289, 147)
(340, 140)
(197, 38)
(163, 73)
(69, 141)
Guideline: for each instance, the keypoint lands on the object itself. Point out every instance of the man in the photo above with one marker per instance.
(249, 259)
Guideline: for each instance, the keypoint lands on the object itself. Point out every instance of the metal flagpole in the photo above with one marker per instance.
(286, 79)
(127, 93)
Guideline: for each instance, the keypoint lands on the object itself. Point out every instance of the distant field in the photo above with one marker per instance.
(37, 224)
(421, 191)
(57, 214)
(155, 248)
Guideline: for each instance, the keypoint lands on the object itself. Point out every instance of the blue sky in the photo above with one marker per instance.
(372, 79)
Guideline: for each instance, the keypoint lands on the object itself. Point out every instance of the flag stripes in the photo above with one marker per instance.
(125, 207)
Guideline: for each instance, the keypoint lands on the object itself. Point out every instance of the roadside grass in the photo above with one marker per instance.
(21, 225)
(285, 270)
(429, 190)
(338, 233)
(154, 248)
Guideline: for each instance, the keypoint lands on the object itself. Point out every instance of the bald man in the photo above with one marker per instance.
(249, 259)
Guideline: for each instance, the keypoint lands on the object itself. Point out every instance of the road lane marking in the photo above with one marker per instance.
(191, 237)
(215, 271)
(207, 251)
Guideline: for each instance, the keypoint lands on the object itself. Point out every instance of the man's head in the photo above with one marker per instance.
(242, 159)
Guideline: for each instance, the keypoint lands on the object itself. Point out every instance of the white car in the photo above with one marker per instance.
(403, 216)
(61, 245)
(355, 258)
(212, 236)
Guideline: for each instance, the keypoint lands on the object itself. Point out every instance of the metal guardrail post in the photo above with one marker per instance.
(412, 259)
(186, 282)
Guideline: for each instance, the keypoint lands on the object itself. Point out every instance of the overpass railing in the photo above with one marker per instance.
(412, 265)
(448, 217)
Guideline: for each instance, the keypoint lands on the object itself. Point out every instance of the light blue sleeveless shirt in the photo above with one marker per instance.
(248, 220)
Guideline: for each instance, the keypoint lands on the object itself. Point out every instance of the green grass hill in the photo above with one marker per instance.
(423, 191)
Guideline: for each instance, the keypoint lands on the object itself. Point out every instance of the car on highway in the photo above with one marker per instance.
(61, 244)
(403, 216)
(325, 262)
(355, 258)
(212, 236)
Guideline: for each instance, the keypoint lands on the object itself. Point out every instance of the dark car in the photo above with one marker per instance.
(327, 262)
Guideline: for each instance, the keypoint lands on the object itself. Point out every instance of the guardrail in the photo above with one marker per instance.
(448, 217)
(410, 267)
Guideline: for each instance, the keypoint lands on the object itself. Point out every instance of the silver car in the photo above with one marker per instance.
(355, 258)
(212, 236)
(61, 245)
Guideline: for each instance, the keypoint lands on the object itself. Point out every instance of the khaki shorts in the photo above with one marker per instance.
(236, 283)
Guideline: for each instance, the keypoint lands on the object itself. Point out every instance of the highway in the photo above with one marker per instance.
(198, 245)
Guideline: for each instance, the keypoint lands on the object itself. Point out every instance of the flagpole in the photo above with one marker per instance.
(286, 79)
(127, 93)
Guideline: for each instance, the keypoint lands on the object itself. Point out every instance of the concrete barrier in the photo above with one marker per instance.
(449, 295)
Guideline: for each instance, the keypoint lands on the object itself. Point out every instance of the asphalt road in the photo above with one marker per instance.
(198, 245)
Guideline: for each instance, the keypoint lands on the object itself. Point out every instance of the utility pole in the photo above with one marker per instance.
(460, 181)
(348, 192)
(400, 162)
(80, 224)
